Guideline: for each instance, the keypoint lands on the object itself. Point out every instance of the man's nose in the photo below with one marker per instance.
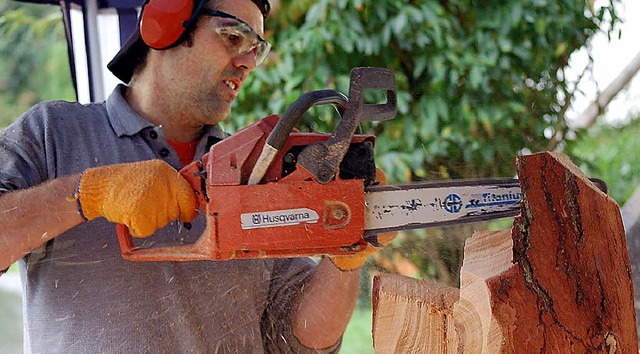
(246, 61)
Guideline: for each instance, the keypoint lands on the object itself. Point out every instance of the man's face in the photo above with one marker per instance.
(203, 80)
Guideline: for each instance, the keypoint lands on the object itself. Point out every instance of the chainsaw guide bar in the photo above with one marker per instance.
(440, 203)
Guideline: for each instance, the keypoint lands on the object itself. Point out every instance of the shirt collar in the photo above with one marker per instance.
(126, 122)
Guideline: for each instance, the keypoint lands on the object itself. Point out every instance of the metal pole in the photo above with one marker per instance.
(96, 79)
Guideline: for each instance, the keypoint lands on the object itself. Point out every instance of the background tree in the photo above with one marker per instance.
(478, 82)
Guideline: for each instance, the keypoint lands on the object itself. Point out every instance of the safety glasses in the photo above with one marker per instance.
(237, 35)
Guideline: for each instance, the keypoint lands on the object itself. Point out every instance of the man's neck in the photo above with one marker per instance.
(146, 99)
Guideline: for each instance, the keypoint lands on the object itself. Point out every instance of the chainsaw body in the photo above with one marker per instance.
(310, 196)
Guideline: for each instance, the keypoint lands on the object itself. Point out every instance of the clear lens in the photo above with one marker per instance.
(241, 38)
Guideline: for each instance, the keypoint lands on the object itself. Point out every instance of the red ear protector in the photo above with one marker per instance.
(164, 21)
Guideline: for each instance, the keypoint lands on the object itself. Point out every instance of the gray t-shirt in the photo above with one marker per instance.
(80, 296)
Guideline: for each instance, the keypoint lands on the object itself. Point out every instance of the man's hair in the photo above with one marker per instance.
(264, 6)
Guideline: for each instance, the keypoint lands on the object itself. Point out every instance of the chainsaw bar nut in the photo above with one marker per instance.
(335, 215)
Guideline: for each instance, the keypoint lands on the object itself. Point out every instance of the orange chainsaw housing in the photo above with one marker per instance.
(290, 216)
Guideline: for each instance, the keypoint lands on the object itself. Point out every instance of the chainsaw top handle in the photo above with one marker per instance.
(323, 159)
(297, 109)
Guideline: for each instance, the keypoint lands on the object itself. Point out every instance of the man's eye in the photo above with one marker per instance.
(233, 37)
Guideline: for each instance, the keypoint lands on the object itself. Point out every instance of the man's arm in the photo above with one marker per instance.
(323, 309)
(31, 217)
(120, 193)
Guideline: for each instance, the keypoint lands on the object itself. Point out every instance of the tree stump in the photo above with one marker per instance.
(558, 281)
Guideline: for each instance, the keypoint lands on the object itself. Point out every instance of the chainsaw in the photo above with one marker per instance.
(272, 191)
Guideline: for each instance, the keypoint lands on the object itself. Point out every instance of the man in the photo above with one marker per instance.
(68, 172)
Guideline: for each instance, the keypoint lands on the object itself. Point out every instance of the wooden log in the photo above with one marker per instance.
(412, 316)
(559, 281)
(569, 244)
(488, 256)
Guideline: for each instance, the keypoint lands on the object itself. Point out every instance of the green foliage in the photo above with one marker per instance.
(610, 153)
(357, 337)
(34, 64)
(477, 81)
(11, 325)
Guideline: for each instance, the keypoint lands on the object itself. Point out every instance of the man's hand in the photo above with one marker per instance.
(144, 195)
(357, 260)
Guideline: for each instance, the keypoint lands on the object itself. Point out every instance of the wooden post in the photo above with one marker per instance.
(558, 281)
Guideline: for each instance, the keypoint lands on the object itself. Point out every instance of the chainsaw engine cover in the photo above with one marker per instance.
(290, 214)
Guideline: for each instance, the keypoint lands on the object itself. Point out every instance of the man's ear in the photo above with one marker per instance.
(162, 22)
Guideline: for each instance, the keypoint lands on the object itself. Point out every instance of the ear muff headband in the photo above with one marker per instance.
(163, 22)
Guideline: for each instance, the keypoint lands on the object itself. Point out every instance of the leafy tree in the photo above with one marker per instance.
(604, 151)
(34, 64)
(478, 81)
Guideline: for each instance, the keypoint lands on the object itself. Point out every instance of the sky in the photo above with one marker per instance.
(609, 58)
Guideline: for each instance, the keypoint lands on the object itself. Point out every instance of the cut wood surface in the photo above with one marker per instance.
(558, 282)
(488, 256)
(411, 316)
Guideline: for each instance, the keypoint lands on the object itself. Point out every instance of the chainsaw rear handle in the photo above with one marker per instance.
(188, 252)
(125, 239)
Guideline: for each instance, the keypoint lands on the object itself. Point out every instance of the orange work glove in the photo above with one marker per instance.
(357, 260)
(144, 195)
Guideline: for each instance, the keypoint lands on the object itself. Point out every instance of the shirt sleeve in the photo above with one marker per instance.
(289, 278)
(22, 147)
(22, 151)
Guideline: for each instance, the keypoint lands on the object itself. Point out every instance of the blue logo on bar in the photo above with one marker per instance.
(452, 203)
